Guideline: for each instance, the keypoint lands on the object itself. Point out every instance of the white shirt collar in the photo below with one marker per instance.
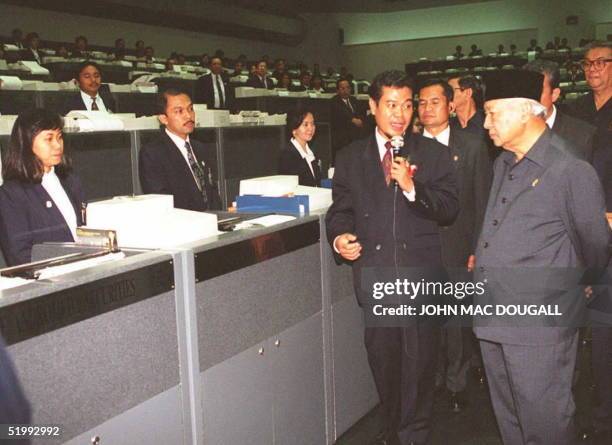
(380, 142)
(87, 99)
(443, 137)
(178, 141)
(308, 154)
(53, 186)
(551, 119)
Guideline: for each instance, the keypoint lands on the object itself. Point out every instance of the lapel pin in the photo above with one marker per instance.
(49, 204)
(535, 182)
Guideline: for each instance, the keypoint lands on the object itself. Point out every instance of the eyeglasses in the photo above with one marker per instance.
(597, 64)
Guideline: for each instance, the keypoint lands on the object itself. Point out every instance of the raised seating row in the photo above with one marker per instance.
(107, 162)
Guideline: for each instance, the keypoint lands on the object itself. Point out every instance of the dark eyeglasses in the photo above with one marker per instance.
(597, 64)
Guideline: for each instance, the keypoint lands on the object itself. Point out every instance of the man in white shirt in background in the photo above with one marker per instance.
(213, 89)
(91, 96)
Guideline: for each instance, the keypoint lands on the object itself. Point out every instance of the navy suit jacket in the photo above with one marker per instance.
(205, 93)
(363, 205)
(163, 170)
(29, 216)
(75, 102)
(577, 133)
(474, 173)
(255, 82)
(291, 163)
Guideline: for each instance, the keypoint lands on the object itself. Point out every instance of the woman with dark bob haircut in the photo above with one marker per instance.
(297, 158)
(40, 199)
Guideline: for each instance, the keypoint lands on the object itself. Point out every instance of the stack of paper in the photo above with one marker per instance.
(93, 121)
(278, 185)
(34, 67)
(11, 83)
(150, 221)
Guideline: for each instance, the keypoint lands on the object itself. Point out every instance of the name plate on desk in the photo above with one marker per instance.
(46, 313)
(229, 258)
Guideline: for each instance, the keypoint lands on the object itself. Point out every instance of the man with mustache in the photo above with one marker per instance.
(173, 163)
(473, 168)
(90, 97)
(384, 222)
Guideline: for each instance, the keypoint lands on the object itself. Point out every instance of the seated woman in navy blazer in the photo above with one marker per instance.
(40, 199)
(297, 158)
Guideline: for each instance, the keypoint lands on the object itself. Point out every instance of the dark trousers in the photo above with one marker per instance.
(455, 357)
(531, 391)
(403, 362)
(602, 375)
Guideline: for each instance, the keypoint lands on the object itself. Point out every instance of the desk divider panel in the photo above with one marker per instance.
(14, 102)
(142, 104)
(100, 348)
(55, 100)
(103, 162)
(249, 152)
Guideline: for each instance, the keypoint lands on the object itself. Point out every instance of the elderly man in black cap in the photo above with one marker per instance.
(544, 226)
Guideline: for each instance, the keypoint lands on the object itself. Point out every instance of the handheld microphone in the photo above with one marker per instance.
(397, 142)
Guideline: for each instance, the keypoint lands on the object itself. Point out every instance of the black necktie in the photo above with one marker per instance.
(94, 105)
(198, 171)
(220, 92)
(348, 103)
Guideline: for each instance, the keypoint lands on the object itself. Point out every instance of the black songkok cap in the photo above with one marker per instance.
(507, 84)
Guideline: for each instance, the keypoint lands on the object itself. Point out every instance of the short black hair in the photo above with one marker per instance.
(20, 163)
(392, 79)
(342, 79)
(83, 38)
(473, 83)
(296, 116)
(447, 90)
(546, 67)
(597, 44)
(85, 64)
(162, 98)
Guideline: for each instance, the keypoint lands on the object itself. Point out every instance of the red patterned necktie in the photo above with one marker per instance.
(387, 161)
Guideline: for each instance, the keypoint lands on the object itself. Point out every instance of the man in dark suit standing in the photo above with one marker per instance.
(214, 89)
(347, 121)
(578, 133)
(544, 225)
(91, 96)
(174, 164)
(260, 79)
(378, 226)
(473, 169)
(596, 109)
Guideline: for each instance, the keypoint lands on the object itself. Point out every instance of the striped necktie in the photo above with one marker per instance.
(198, 171)
(387, 161)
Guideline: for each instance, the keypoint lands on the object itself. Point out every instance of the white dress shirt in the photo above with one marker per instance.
(551, 119)
(308, 155)
(443, 137)
(88, 101)
(216, 91)
(54, 188)
(180, 144)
